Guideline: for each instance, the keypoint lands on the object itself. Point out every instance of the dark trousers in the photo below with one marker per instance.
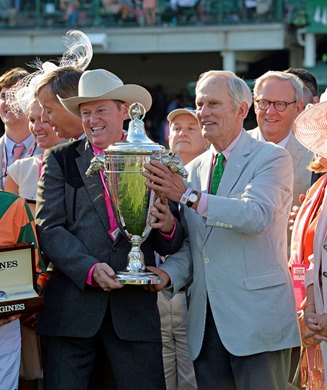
(69, 363)
(217, 369)
(295, 358)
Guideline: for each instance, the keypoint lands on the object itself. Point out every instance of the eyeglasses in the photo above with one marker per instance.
(279, 106)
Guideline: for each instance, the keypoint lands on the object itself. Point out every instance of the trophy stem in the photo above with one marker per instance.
(136, 272)
(135, 259)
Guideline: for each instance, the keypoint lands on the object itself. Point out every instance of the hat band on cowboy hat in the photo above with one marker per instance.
(101, 84)
(310, 128)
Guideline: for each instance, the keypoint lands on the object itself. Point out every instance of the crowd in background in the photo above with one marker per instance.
(239, 259)
(72, 13)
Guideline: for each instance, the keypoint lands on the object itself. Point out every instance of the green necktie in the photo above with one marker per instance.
(217, 173)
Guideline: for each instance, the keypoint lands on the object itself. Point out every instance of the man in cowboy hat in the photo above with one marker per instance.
(85, 307)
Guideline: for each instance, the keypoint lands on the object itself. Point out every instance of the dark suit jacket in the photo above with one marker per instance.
(73, 225)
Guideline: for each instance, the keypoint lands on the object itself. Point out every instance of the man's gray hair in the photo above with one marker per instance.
(238, 89)
(296, 83)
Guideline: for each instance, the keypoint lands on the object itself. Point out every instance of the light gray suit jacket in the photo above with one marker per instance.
(301, 158)
(237, 256)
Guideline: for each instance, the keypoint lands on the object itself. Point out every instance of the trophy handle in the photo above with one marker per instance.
(97, 163)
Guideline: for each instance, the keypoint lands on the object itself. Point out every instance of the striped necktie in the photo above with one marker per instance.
(18, 151)
(217, 173)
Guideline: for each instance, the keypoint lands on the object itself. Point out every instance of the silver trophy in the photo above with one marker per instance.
(130, 198)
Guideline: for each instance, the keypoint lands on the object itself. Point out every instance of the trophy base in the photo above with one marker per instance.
(138, 278)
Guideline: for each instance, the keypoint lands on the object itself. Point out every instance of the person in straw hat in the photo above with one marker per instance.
(85, 307)
(308, 245)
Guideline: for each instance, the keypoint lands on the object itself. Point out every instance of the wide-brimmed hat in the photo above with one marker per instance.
(172, 115)
(101, 84)
(310, 128)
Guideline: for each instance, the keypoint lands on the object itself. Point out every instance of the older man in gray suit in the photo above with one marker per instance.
(86, 308)
(242, 319)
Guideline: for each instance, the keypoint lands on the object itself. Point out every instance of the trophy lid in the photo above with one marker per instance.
(136, 142)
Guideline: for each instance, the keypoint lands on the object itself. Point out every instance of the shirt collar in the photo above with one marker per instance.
(27, 142)
(281, 143)
(97, 150)
(229, 148)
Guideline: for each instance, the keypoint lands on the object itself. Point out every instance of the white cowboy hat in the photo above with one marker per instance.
(178, 111)
(310, 128)
(100, 84)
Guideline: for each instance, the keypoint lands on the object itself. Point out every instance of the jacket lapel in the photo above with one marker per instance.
(233, 169)
(93, 184)
(203, 174)
(297, 152)
(235, 164)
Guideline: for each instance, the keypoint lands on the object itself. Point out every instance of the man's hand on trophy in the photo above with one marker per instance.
(163, 181)
(104, 276)
(163, 218)
(164, 277)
